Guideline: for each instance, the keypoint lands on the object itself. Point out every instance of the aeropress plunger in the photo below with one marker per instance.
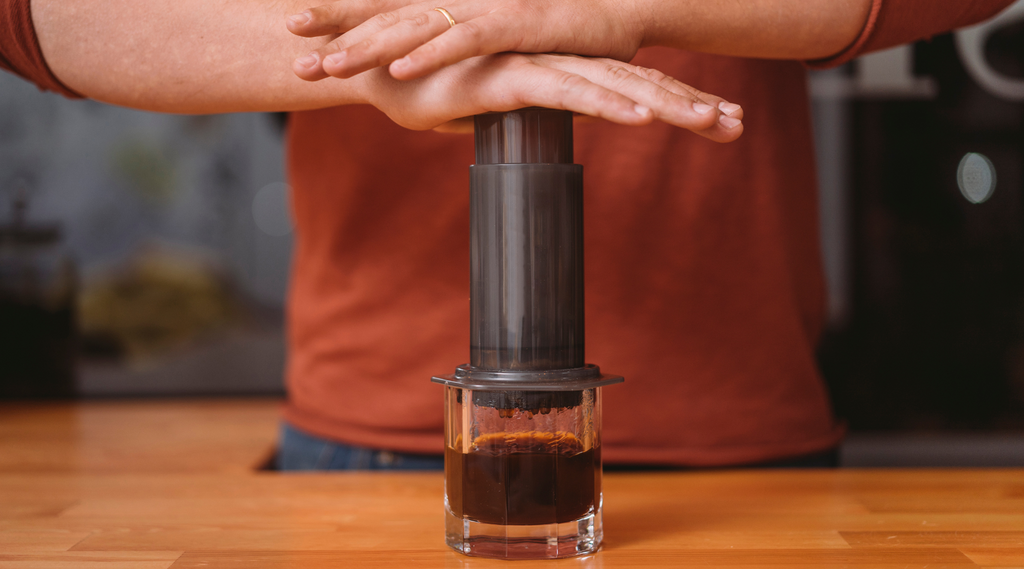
(523, 418)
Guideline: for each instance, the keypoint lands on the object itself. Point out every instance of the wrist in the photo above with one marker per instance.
(639, 19)
(617, 30)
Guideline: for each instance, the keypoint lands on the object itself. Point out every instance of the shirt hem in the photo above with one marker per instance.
(433, 443)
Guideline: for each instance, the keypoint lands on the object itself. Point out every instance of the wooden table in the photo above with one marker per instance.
(152, 485)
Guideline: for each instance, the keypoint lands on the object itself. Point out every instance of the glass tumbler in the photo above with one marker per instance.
(523, 472)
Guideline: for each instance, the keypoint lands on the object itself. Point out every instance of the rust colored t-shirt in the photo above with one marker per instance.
(703, 275)
(19, 48)
(703, 270)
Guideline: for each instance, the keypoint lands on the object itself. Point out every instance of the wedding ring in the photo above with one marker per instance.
(447, 16)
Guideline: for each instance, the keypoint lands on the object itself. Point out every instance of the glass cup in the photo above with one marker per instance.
(523, 472)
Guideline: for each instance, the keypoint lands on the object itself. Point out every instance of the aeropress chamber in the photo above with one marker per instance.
(523, 417)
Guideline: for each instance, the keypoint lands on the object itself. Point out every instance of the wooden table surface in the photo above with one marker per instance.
(156, 485)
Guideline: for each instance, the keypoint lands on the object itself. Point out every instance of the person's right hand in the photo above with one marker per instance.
(605, 88)
(413, 39)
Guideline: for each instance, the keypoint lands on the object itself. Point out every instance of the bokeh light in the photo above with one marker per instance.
(270, 209)
(976, 177)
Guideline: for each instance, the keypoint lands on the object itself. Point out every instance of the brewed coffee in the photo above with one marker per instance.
(525, 478)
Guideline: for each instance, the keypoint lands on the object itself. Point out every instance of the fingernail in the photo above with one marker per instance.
(400, 63)
(702, 108)
(307, 61)
(641, 110)
(728, 108)
(300, 19)
(335, 59)
(729, 122)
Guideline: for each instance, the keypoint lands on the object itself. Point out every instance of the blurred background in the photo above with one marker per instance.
(148, 255)
(140, 254)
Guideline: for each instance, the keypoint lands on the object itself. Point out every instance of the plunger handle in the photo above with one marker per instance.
(526, 243)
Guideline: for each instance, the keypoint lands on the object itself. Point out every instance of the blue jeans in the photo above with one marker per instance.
(301, 451)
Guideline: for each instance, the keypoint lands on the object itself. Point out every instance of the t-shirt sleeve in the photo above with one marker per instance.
(894, 22)
(19, 48)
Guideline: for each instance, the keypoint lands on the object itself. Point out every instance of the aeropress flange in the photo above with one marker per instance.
(523, 417)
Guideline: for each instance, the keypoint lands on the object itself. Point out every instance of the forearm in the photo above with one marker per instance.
(184, 56)
(212, 56)
(776, 29)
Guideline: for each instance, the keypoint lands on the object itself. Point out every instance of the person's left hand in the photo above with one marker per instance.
(414, 40)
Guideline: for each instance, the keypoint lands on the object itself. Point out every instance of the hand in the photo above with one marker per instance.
(605, 88)
(414, 39)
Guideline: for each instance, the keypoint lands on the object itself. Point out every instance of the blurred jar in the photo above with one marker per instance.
(37, 310)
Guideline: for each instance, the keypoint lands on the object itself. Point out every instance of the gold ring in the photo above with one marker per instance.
(447, 16)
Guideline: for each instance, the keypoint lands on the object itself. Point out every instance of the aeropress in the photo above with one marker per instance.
(523, 417)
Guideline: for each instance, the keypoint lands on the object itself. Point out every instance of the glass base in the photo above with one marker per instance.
(545, 541)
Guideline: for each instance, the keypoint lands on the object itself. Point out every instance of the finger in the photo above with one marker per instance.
(545, 86)
(730, 109)
(678, 107)
(731, 120)
(484, 35)
(387, 44)
(729, 123)
(338, 17)
(310, 66)
(730, 115)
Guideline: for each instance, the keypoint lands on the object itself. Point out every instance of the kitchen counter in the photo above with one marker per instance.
(173, 484)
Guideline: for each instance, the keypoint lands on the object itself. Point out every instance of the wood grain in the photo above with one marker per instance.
(171, 484)
(1013, 539)
(145, 436)
(38, 540)
(607, 558)
(995, 556)
(90, 560)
